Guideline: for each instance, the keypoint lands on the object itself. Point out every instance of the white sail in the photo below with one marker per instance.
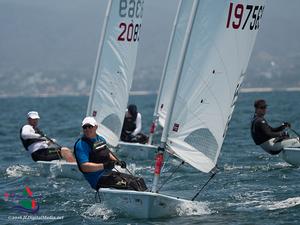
(172, 59)
(215, 62)
(115, 67)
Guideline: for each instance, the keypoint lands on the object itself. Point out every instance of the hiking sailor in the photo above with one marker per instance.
(40, 147)
(132, 126)
(272, 140)
(96, 162)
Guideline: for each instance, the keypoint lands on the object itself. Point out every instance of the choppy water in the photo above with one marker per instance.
(250, 188)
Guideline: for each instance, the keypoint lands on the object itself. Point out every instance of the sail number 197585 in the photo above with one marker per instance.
(131, 9)
(244, 16)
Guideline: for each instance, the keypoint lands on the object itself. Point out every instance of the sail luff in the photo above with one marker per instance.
(166, 61)
(179, 71)
(163, 78)
(173, 59)
(98, 58)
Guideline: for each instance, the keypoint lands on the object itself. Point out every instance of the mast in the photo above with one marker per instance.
(161, 149)
(99, 52)
(155, 114)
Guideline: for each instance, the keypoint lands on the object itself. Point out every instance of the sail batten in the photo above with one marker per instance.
(216, 59)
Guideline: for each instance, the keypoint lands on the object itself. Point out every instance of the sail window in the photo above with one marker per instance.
(113, 123)
(204, 141)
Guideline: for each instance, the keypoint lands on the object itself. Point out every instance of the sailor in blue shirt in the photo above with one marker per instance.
(96, 162)
(93, 157)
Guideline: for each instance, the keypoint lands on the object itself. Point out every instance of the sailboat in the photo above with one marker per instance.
(214, 55)
(166, 87)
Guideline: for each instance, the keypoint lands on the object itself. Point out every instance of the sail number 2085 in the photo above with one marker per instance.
(129, 32)
(244, 16)
(130, 9)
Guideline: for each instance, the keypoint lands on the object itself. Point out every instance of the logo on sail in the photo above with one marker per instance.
(175, 127)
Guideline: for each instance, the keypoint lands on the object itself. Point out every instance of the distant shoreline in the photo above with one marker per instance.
(142, 93)
(243, 90)
(250, 90)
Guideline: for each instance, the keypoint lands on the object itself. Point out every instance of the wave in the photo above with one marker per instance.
(98, 210)
(288, 203)
(193, 209)
(263, 204)
(18, 170)
(265, 167)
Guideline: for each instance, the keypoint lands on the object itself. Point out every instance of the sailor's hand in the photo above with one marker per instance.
(286, 124)
(121, 163)
(130, 137)
(133, 138)
(109, 165)
(41, 133)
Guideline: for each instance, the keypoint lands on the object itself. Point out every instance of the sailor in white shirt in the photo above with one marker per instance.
(40, 147)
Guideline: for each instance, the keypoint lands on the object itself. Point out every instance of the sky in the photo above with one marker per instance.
(65, 33)
(62, 35)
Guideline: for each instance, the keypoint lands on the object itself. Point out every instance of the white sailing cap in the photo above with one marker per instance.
(33, 115)
(89, 120)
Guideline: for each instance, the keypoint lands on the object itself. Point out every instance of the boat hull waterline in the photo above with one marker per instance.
(145, 205)
(291, 156)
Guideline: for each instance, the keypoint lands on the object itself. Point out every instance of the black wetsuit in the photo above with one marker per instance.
(129, 126)
(261, 131)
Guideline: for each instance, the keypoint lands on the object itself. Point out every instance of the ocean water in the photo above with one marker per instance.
(250, 187)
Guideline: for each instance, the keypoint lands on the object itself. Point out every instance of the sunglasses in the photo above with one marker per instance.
(87, 126)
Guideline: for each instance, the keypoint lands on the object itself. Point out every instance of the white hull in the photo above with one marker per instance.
(141, 204)
(60, 168)
(291, 156)
(136, 151)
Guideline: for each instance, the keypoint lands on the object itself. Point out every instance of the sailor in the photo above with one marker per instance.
(95, 161)
(132, 126)
(38, 145)
(272, 140)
